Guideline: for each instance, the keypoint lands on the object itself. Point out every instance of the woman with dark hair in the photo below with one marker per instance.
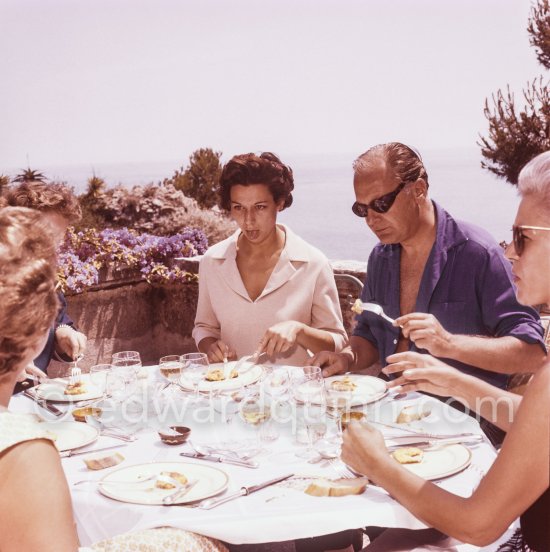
(264, 289)
(517, 483)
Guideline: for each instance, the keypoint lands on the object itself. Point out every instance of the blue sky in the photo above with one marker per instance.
(97, 81)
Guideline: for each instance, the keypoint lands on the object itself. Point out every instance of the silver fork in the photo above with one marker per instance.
(341, 470)
(76, 372)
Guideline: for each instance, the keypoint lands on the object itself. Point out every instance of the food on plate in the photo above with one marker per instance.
(337, 487)
(344, 384)
(100, 462)
(255, 417)
(179, 477)
(347, 417)
(408, 455)
(411, 414)
(80, 413)
(78, 388)
(218, 374)
(357, 307)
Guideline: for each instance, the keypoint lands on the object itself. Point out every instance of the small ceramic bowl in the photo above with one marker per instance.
(347, 417)
(174, 435)
(80, 413)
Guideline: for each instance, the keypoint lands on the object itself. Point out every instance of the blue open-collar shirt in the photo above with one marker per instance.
(466, 284)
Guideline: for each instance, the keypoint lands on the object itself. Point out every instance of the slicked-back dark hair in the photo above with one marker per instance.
(249, 168)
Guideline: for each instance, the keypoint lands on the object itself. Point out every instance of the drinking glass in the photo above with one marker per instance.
(194, 366)
(338, 402)
(170, 367)
(277, 382)
(307, 386)
(98, 375)
(115, 385)
(314, 422)
(256, 413)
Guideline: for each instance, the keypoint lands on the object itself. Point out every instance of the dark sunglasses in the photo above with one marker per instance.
(519, 237)
(380, 205)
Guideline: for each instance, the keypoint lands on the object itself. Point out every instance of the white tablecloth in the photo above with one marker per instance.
(276, 513)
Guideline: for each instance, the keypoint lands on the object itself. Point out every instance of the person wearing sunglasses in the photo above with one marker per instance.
(517, 484)
(446, 282)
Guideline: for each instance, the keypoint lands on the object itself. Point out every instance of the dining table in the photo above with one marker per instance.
(278, 512)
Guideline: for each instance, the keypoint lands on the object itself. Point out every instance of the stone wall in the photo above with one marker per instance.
(126, 314)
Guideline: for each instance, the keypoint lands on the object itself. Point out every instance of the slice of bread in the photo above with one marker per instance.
(100, 462)
(337, 487)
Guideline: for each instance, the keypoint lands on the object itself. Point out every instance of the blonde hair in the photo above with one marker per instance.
(534, 179)
(28, 301)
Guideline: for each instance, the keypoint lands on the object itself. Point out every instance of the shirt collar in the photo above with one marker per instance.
(448, 234)
(295, 248)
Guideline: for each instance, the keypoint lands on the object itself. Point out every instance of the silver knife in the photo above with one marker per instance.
(43, 403)
(178, 495)
(475, 439)
(243, 491)
(221, 458)
(69, 453)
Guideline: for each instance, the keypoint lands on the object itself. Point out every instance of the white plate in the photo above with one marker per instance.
(369, 389)
(55, 391)
(441, 462)
(250, 375)
(210, 481)
(71, 435)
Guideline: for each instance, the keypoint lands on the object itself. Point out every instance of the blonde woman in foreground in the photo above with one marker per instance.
(35, 503)
(517, 483)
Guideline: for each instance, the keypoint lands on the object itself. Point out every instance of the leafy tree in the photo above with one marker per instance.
(517, 135)
(29, 175)
(201, 178)
(539, 29)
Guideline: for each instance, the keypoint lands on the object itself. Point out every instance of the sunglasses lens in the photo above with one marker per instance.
(381, 205)
(360, 209)
(519, 240)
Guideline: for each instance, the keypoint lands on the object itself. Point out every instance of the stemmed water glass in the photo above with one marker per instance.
(127, 364)
(338, 401)
(255, 412)
(170, 368)
(194, 366)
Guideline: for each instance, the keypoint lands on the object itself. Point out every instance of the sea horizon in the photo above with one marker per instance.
(323, 194)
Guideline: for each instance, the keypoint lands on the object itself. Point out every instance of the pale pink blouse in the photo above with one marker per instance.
(301, 287)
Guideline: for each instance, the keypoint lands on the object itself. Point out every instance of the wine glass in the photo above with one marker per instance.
(313, 418)
(170, 367)
(255, 412)
(194, 366)
(127, 359)
(338, 401)
(307, 384)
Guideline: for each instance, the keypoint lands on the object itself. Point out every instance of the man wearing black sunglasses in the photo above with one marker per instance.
(446, 282)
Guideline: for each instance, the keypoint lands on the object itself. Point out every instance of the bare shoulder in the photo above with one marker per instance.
(40, 454)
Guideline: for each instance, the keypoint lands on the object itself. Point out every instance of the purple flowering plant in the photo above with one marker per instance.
(83, 254)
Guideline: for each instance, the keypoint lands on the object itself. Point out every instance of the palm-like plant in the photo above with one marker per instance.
(30, 175)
